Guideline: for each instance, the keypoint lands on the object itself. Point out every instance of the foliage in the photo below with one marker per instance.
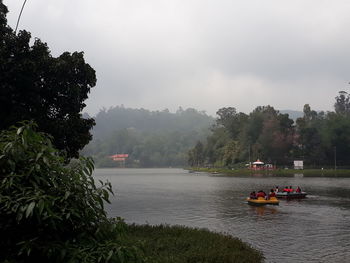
(151, 138)
(265, 133)
(320, 139)
(177, 244)
(34, 85)
(342, 104)
(309, 128)
(52, 212)
(196, 155)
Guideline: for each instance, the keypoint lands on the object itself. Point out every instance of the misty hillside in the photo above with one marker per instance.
(143, 120)
(150, 138)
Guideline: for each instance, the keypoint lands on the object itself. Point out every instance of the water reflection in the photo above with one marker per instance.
(299, 175)
(262, 210)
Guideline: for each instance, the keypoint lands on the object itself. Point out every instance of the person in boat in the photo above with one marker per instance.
(298, 190)
(252, 195)
(291, 190)
(286, 189)
(276, 189)
(261, 193)
(271, 194)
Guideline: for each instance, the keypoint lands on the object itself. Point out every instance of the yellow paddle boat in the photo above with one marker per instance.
(263, 201)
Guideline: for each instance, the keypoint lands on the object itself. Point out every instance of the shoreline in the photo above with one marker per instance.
(277, 172)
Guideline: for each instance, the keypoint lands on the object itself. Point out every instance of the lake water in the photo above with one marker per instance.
(315, 229)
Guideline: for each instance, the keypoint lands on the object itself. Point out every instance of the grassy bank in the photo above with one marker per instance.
(178, 244)
(284, 172)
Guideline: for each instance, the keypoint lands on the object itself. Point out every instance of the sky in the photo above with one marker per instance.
(202, 54)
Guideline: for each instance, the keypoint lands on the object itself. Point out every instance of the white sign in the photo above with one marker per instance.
(298, 164)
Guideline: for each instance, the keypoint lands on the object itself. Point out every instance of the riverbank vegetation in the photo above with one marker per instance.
(320, 139)
(178, 244)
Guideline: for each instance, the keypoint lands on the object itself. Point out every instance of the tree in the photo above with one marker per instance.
(342, 104)
(231, 151)
(34, 85)
(276, 142)
(311, 140)
(51, 211)
(336, 137)
(264, 133)
(196, 155)
(231, 120)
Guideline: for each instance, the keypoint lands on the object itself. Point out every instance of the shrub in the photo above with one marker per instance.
(51, 211)
(179, 244)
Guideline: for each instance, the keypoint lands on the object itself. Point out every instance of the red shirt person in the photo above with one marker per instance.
(272, 193)
(261, 193)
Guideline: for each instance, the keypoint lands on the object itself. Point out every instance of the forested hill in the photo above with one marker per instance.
(143, 120)
(151, 138)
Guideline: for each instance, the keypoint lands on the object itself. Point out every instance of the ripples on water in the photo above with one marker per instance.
(315, 229)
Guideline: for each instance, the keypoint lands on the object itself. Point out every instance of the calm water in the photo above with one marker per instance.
(315, 229)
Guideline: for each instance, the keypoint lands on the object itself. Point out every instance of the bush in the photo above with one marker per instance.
(179, 244)
(51, 211)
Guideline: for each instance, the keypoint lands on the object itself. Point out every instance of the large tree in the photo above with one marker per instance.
(34, 85)
(311, 134)
(237, 137)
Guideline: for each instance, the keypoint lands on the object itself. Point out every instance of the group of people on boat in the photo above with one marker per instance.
(261, 193)
(288, 189)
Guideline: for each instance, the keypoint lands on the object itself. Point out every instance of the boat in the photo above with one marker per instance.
(291, 195)
(263, 201)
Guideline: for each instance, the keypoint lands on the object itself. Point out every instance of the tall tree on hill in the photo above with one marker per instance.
(342, 103)
(231, 120)
(310, 141)
(51, 91)
(270, 134)
(264, 133)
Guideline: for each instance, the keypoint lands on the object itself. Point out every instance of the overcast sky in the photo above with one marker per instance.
(204, 54)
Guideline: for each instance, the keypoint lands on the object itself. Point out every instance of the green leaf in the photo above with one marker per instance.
(20, 129)
(110, 254)
(30, 208)
(19, 215)
(120, 255)
(66, 195)
(41, 206)
(63, 253)
(38, 156)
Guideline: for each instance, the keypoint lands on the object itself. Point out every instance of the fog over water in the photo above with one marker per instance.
(203, 54)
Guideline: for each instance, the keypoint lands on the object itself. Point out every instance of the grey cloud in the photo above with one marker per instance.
(204, 54)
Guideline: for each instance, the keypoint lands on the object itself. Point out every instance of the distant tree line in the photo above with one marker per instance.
(318, 138)
(151, 138)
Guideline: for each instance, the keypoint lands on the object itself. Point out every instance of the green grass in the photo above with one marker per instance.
(282, 172)
(179, 244)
